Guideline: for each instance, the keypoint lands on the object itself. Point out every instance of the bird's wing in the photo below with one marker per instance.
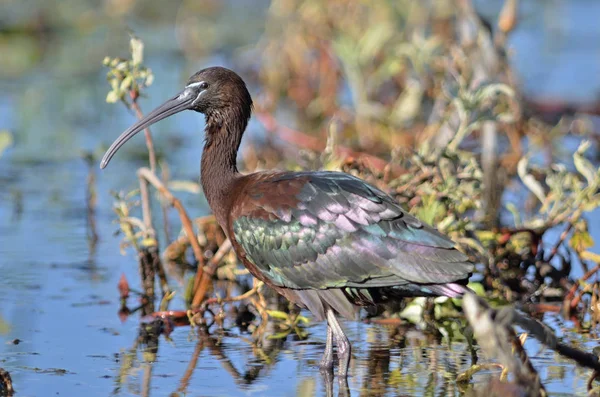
(317, 230)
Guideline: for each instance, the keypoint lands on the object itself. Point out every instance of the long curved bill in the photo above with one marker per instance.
(174, 105)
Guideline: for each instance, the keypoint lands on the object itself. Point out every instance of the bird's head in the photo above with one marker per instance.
(217, 92)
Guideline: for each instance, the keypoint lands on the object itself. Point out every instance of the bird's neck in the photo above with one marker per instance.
(218, 167)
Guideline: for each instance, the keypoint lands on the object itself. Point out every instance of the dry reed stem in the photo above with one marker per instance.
(185, 219)
(149, 142)
(90, 200)
(145, 195)
(146, 214)
(163, 205)
(561, 240)
(545, 335)
(494, 333)
(571, 294)
(492, 327)
(238, 298)
(201, 283)
(150, 232)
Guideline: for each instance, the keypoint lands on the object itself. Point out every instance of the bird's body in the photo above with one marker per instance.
(327, 241)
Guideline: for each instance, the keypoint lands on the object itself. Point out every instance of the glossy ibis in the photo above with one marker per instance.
(327, 241)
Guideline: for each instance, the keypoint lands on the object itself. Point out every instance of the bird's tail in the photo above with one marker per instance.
(451, 290)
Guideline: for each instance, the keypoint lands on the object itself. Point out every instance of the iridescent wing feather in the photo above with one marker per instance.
(320, 230)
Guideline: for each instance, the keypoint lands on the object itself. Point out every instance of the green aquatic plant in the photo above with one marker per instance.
(128, 77)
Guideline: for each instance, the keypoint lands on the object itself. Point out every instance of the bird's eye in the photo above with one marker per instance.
(203, 85)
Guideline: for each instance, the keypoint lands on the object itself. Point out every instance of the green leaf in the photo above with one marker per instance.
(590, 256)
(431, 210)
(302, 319)
(529, 180)
(446, 222)
(112, 97)
(581, 241)
(372, 41)
(413, 312)
(114, 84)
(149, 78)
(583, 165)
(188, 293)
(126, 83)
(137, 50)
(277, 314)
(477, 288)
(6, 140)
(489, 91)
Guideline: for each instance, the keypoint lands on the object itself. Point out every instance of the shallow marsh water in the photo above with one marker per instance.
(58, 293)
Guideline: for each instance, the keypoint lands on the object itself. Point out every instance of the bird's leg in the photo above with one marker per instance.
(327, 360)
(344, 349)
(344, 389)
(328, 382)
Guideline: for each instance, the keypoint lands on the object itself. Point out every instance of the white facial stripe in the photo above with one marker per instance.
(196, 84)
(198, 97)
(188, 92)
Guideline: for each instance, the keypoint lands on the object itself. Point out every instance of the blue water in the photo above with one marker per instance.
(554, 47)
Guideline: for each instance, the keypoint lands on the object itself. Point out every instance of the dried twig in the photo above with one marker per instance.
(201, 283)
(185, 219)
(149, 143)
(151, 233)
(545, 335)
(90, 200)
(163, 205)
(571, 294)
(183, 315)
(561, 240)
(238, 298)
(494, 333)
(493, 327)
(146, 212)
